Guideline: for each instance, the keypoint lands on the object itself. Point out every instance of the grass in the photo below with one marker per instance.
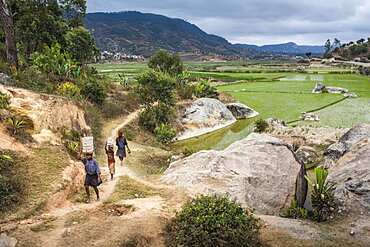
(43, 226)
(128, 188)
(44, 167)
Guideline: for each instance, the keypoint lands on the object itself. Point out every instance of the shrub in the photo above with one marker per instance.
(15, 124)
(187, 151)
(212, 221)
(54, 61)
(153, 116)
(295, 212)
(4, 101)
(71, 140)
(261, 125)
(204, 89)
(94, 90)
(69, 89)
(322, 196)
(165, 133)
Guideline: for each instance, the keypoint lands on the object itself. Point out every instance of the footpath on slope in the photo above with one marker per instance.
(146, 209)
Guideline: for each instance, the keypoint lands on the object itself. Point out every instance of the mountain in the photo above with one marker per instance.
(143, 34)
(287, 48)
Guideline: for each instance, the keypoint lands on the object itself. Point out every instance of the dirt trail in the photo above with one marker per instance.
(143, 205)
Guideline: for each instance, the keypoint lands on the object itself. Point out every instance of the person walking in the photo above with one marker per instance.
(93, 173)
(110, 155)
(122, 144)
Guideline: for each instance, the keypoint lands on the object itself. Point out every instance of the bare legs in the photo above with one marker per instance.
(88, 193)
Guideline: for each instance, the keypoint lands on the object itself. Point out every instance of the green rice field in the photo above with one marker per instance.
(274, 90)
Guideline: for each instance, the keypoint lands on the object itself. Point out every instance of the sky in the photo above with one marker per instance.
(309, 22)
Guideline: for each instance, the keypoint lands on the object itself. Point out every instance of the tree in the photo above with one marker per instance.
(166, 63)
(360, 41)
(327, 46)
(6, 16)
(80, 44)
(39, 23)
(74, 10)
(309, 54)
(336, 43)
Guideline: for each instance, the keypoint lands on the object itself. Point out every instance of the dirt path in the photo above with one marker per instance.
(143, 206)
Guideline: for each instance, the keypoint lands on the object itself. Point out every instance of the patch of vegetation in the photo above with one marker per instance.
(41, 227)
(12, 181)
(69, 89)
(165, 133)
(150, 162)
(204, 89)
(261, 125)
(4, 101)
(187, 151)
(128, 188)
(212, 221)
(18, 127)
(295, 212)
(322, 195)
(71, 140)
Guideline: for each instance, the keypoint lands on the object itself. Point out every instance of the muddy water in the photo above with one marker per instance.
(219, 139)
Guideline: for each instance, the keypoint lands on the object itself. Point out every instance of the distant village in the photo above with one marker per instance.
(107, 56)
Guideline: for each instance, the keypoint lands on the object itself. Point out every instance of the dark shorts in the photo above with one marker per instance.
(91, 180)
(121, 153)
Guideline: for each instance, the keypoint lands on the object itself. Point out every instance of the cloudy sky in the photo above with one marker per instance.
(260, 21)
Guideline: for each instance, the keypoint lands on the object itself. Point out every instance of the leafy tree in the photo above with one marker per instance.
(336, 43)
(166, 63)
(38, 23)
(74, 11)
(156, 87)
(360, 41)
(157, 93)
(309, 54)
(80, 44)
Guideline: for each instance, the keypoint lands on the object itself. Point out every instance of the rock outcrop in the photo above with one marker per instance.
(48, 113)
(241, 111)
(260, 171)
(307, 154)
(6, 241)
(321, 88)
(309, 117)
(203, 116)
(351, 174)
(348, 141)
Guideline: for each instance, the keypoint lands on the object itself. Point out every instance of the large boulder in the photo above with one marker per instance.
(321, 88)
(351, 174)
(203, 116)
(241, 111)
(48, 113)
(260, 171)
(348, 141)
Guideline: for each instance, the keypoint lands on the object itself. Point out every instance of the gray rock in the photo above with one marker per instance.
(309, 117)
(348, 141)
(260, 171)
(241, 111)
(274, 122)
(6, 241)
(203, 116)
(321, 88)
(5, 79)
(307, 154)
(350, 95)
(351, 174)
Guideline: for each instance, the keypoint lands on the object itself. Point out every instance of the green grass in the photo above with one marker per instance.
(128, 188)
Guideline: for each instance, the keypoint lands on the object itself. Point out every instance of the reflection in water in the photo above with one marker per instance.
(219, 139)
(303, 77)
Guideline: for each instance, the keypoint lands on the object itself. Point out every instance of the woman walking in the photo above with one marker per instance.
(121, 143)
